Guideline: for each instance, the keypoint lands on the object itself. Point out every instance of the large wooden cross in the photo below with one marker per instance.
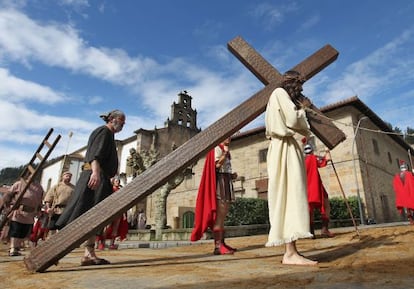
(86, 225)
(321, 126)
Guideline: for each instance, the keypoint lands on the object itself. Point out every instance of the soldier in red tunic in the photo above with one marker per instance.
(317, 195)
(214, 197)
(403, 183)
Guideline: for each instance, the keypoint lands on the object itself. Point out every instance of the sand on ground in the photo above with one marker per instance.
(379, 257)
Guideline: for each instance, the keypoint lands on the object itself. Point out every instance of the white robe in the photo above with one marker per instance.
(287, 196)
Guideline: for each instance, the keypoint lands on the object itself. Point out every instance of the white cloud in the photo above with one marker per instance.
(22, 39)
(15, 156)
(309, 23)
(95, 100)
(76, 3)
(384, 71)
(22, 123)
(272, 15)
(17, 90)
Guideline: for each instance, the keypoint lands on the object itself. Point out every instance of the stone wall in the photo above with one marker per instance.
(360, 167)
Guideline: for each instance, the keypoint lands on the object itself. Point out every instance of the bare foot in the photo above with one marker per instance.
(296, 259)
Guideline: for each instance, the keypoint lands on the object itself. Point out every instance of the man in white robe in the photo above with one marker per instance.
(287, 195)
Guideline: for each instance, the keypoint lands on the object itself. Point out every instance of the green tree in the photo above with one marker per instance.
(409, 135)
(9, 175)
(398, 130)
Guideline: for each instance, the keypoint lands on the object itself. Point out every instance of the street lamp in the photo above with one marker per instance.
(361, 213)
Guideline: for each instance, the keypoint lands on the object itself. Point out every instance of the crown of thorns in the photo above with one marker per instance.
(292, 76)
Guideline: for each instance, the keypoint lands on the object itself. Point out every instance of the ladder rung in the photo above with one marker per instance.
(31, 169)
(39, 156)
(47, 144)
(24, 182)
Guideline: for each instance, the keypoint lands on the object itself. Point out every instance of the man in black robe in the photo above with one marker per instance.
(94, 184)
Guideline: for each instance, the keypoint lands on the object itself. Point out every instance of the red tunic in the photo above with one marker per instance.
(205, 210)
(39, 230)
(404, 190)
(316, 190)
(122, 231)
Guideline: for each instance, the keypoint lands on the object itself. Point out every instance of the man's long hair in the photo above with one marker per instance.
(107, 117)
(291, 81)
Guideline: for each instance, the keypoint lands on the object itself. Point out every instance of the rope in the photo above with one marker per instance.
(351, 125)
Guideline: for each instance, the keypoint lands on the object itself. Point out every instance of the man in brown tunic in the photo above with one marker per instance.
(57, 198)
(22, 219)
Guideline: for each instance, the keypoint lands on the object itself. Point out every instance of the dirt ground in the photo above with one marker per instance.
(380, 257)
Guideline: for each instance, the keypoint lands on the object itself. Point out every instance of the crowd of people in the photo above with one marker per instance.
(36, 217)
(40, 214)
(295, 188)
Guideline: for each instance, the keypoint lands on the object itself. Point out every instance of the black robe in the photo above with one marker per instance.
(101, 147)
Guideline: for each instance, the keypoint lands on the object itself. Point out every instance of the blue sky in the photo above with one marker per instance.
(63, 62)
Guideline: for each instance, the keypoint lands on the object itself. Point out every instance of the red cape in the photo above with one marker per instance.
(404, 192)
(316, 190)
(123, 227)
(205, 210)
(38, 231)
(121, 233)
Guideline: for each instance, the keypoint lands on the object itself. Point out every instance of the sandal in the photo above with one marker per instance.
(229, 247)
(86, 261)
(113, 247)
(101, 261)
(14, 253)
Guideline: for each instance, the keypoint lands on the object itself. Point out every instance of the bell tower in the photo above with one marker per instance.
(182, 113)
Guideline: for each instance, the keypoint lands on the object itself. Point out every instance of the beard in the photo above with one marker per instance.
(117, 125)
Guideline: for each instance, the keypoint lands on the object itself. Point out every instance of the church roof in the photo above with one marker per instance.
(365, 110)
(352, 101)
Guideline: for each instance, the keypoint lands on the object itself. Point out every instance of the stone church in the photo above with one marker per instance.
(365, 162)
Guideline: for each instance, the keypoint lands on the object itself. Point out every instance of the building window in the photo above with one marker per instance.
(375, 145)
(188, 219)
(262, 155)
(389, 158)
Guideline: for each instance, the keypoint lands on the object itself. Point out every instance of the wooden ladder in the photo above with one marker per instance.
(29, 173)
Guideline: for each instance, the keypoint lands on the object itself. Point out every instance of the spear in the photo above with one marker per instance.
(411, 160)
(346, 200)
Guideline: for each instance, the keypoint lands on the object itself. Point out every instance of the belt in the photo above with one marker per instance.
(86, 167)
(222, 173)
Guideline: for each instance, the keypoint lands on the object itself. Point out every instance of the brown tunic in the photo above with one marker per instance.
(58, 196)
(30, 204)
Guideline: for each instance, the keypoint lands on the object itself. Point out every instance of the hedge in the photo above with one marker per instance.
(251, 211)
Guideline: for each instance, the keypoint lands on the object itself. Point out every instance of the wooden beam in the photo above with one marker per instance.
(321, 126)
